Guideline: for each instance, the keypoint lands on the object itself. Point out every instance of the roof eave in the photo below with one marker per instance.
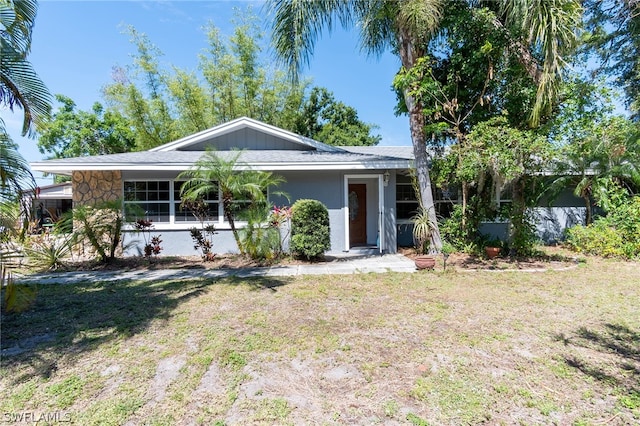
(67, 169)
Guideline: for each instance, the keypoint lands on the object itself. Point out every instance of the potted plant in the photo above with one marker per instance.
(492, 248)
(423, 226)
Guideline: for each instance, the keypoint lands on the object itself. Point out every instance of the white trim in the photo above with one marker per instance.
(242, 123)
(220, 222)
(379, 177)
(381, 233)
(67, 168)
(185, 226)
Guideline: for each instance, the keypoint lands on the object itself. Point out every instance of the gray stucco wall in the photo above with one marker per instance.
(325, 186)
(178, 242)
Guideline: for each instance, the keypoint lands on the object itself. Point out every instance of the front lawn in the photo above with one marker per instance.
(426, 348)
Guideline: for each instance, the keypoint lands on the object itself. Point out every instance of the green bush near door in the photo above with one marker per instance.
(310, 236)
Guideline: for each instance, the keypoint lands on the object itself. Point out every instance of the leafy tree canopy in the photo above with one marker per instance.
(232, 80)
(324, 119)
(77, 133)
(20, 85)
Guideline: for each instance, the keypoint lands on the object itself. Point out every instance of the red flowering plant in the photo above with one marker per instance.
(152, 245)
(279, 217)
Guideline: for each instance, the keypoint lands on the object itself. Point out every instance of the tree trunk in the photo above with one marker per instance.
(227, 205)
(408, 55)
(465, 197)
(588, 214)
(517, 219)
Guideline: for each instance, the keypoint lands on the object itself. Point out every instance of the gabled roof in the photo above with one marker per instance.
(266, 148)
(207, 137)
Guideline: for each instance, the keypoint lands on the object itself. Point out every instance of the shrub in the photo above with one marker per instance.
(451, 230)
(49, 251)
(151, 243)
(597, 238)
(260, 240)
(616, 235)
(101, 227)
(309, 229)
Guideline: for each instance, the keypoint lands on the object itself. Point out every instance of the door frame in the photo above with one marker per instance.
(379, 177)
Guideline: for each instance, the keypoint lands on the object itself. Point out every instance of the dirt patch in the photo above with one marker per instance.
(168, 370)
(553, 258)
(436, 348)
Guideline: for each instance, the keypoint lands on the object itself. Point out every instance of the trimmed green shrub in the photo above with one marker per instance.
(309, 229)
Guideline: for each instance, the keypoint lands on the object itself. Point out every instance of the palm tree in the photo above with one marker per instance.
(15, 177)
(237, 185)
(545, 28)
(608, 155)
(19, 86)
(19, 83)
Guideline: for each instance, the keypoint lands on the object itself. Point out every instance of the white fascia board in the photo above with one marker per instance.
(354, 165)
(66, 169)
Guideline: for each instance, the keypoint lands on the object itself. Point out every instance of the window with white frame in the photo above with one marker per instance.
(160, 202)
(148, 200)
(184, 214)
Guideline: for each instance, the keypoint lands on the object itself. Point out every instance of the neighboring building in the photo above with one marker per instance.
(367, 190)
(55, 199)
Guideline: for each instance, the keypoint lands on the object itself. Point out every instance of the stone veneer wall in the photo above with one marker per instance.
(91, 187)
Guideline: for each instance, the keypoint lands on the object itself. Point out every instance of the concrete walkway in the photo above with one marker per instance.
(339, 265)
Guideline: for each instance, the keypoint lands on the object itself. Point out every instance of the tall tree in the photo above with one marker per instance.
(326, 120)
(597, 150)
(147, 108)
(232, 80)
(614, 34)
(74, 133)
(512, 158)
(401, 25)
(539, 32)
(15, 177)
(19, 86)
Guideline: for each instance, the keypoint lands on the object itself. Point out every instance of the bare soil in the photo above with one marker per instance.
(553, 258)
(438, 348)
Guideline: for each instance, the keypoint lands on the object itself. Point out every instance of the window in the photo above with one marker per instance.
(148, 200)
(159, 201)
(406, 201)
(183, 214)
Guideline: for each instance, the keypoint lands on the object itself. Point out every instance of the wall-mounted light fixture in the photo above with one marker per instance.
(385, 178)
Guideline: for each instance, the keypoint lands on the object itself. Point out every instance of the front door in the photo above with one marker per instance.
(357, 214)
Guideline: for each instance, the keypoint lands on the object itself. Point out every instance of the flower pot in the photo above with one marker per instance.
(425, 262)
(492, 252)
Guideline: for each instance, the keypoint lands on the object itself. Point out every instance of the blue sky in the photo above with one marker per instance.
(76, 43)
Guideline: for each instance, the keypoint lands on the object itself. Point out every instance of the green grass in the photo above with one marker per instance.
(434, 348)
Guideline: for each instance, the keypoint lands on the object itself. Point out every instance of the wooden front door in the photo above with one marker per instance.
(357, 214)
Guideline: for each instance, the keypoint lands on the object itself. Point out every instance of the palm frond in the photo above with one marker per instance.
(298, 23)
(21, 86)
(17, 19)
(551, 27)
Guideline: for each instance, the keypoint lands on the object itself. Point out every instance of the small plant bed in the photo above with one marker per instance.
(553, 258)
(220, 261)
